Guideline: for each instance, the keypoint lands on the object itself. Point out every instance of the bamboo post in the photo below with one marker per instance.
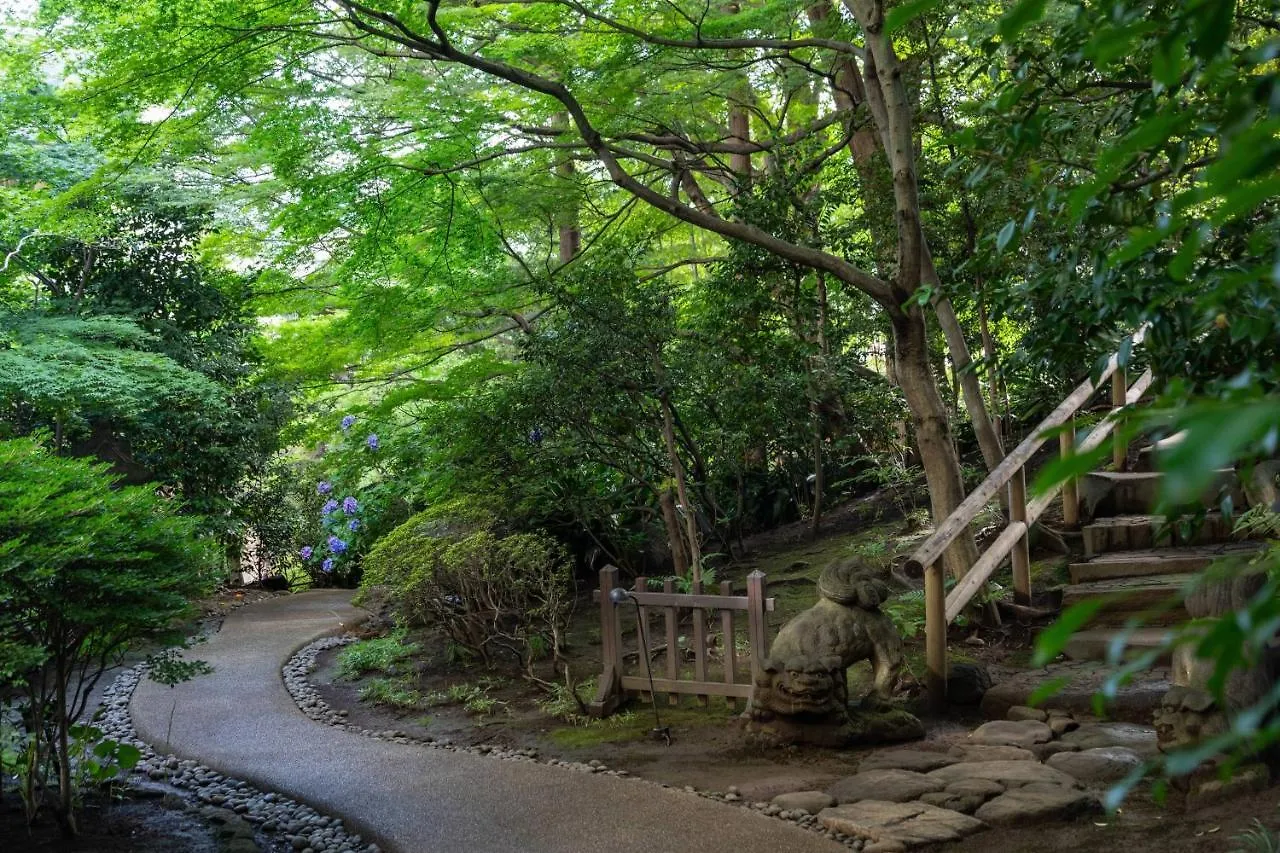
(699, 642)
(757, 632)
(1070, 493)
(935, 629)
(1119, 449)
(642, 634)
(673, 642)
(1021, 554)
(727, 640)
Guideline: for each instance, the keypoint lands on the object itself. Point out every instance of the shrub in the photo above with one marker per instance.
(494, 595)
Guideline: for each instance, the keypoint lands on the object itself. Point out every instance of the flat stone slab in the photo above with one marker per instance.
(1140, 739)
(908, 824)
(965, 796)
(1134, 702)
(811, 801)
(1099, 766)
(979, 752)
(764, 790)
(1023, 712)
(917, 760)
(1023, 733)
(1008, 774)
(896, 786)
(1037, 802)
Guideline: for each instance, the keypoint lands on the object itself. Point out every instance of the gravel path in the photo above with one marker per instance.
(242, 722)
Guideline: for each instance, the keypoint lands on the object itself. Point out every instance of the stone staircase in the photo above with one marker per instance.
(1136, 561)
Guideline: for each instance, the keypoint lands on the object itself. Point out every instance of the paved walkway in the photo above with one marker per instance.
(241, 722)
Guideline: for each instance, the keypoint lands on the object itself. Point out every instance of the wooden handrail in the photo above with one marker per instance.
(941, 609)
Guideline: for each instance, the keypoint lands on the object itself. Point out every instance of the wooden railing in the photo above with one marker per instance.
(941, 609)
(615, 684)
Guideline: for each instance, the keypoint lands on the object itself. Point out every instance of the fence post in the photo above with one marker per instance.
(757, 631)
(730, 647)
(1119, 448)
(1070, 493)
(935, 632)
(642, 635)
(699, 642)
(673, 641)
(1021, 554)
(609, 690)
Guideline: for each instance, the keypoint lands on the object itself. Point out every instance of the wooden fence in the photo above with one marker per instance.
(942, 608)
(641, 608)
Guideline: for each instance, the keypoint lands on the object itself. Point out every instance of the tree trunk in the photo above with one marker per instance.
(677, 470)
(569, 231)
(679, 559)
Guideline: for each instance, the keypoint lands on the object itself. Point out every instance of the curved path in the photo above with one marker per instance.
(412, 799)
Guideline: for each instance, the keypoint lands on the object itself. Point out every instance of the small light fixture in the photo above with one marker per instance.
(618, 595)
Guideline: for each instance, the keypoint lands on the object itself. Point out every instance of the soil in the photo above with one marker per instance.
(707, 750)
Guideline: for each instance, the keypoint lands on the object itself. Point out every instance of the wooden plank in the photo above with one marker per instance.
(1021, 552)
(707, 601)
(726, 640)
(699, 641)
(935, 622)
(1070, 493)
(757, 630)
(610, 637)
(673, 641)
(696, 688)
(953, 525)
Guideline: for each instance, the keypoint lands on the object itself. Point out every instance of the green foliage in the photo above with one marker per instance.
(493, 595)
(86, 569)
(385, 655)
(1256, 839)
(392, 692)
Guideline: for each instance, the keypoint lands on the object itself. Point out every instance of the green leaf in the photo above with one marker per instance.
(1054, 639)
(1005, 235)
(899, 16)
(1214, 26)
(1021, 16)
(1047, 690)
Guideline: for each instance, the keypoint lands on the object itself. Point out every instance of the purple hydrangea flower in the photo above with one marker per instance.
(327, 565)
(305, 553)
(372, 441)
(353, 524)
(329, 506)
(349, 505)
(347, 421)
(336, 545)
(324, 487)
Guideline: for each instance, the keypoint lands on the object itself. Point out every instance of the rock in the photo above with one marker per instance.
(1042, 751)
(1022, 712)
(1037, 802)
(763, 790)
(967, 683)
(909, 824)
(897, 786)
(1023, 733)
(979, 752)
(1245, 780)
(1100, 765)
(886, 846)
(1133, 702)
(811, 801)
(1009, 774)
(1140, 739)
(906, 759)
(1060, 724)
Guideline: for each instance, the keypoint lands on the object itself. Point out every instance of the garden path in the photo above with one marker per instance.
(413, 799)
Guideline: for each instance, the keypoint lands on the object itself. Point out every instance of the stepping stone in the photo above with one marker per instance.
(1140, 739)
(1023, 733)
(1036, 802)
(978, 752)
(764, 790)
(1009, 774)
(1022, 712)
(895, 786)
(917, 760)
(966, 796)
(1100, 765)
(811, 801)
(908, 824)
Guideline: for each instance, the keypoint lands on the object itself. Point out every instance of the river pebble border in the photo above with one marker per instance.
(299, 826)
(296, 680)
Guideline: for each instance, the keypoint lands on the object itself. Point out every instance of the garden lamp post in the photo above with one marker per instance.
(618, 595)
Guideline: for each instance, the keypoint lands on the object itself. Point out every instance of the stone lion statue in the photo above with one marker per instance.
(801, 693)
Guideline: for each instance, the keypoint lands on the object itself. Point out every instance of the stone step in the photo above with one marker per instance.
(1156, 561)
(1092, 644)
(1149, 456)
(1109, 493)
(1156, 596)
(1144, 532)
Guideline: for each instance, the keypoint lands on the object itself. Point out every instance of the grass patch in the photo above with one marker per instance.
(472, 696)
(394, 693)
(387, 655)
(635, 724)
